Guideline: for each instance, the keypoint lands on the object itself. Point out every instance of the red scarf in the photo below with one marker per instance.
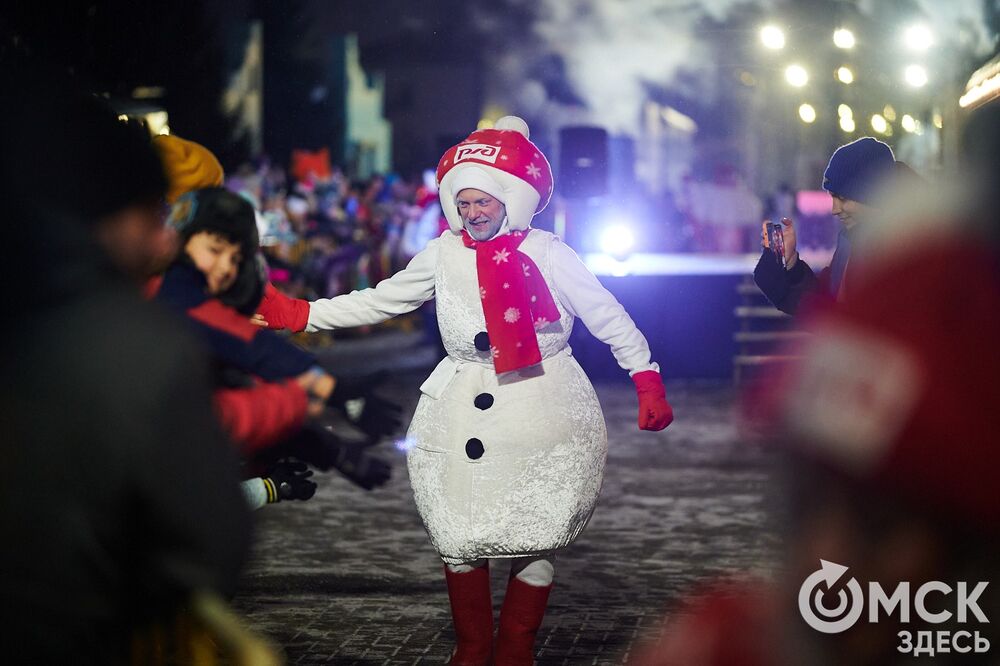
(516, 300)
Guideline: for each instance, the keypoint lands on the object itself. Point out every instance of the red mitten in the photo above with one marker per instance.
(283, 312)
(655, 413)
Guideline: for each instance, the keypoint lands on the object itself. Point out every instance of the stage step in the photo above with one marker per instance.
(762, 359)
(769, 336)
(746, 311)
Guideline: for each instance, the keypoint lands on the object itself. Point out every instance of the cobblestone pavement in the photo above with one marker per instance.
(350, 577)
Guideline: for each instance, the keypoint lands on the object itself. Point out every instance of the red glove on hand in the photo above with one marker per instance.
(283, 312)
(655, 413)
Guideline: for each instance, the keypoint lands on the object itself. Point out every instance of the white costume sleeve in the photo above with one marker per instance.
(403, 292)
(585, 297)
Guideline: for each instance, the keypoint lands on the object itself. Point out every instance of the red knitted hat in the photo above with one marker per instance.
(501, 162)
(897, 387)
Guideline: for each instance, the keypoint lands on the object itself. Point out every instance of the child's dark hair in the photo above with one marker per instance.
(216, 210)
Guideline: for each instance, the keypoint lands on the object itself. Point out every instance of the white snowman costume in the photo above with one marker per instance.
(511, 465)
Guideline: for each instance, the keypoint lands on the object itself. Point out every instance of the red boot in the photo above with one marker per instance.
(472, 614)
(520, 618)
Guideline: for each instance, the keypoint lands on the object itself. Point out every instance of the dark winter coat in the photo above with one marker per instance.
(788, 289)
(232, 340)
(118, 491)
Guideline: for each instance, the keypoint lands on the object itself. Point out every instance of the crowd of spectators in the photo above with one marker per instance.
(326, 233)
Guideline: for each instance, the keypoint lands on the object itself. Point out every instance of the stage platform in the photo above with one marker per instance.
(683, 303)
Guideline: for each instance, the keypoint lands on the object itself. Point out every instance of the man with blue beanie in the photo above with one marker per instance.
(853, 177)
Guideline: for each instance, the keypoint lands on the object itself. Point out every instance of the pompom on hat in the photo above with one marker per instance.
(501, 162)
(188, 165)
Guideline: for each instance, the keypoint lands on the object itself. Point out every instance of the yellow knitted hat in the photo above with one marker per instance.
(188, 165)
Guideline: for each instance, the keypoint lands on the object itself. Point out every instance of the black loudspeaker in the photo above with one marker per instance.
(583, 162)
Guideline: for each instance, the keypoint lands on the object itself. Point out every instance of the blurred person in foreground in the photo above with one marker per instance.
(119, 494)
(853, 178)
(890, 427)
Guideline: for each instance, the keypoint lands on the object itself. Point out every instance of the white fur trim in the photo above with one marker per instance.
(475, 178)
(520, 198)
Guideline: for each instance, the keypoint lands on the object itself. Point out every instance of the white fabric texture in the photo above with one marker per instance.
(466, 567)
(476, 178)
(404, 292)
(254, 493)
(544, 440)
(538, 571)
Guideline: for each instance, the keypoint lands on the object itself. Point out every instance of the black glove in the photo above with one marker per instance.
(314, 444)
(352, 388)
(322, 449)
(287, 481)
(360, 467)
(377, 417)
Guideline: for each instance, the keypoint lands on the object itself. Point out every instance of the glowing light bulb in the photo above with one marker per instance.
(796, 75)
(772, 37)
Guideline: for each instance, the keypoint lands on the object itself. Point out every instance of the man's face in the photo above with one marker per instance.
(482, 214)
(137, 241)
(849, 211)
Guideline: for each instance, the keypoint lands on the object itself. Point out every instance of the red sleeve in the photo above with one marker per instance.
(223, 318)
(281, 311)
(152, 286)
(262, 415)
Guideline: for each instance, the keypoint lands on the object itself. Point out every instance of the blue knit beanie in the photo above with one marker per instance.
(856, 169)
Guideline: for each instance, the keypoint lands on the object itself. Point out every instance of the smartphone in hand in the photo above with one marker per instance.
(776, 241)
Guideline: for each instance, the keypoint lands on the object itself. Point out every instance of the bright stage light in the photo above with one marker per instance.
(879, 124)
(843, 38)
(617, 240)
(847, 124)
(772, 37)
(845, 75)
(918, 38)
(807, 113)
(916, 76)
(796, 75)
(909, 123)
(845, 111)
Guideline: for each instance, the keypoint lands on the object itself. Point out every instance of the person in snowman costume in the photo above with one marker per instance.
(507, 447)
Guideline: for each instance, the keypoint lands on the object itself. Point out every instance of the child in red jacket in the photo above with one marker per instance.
(214, 282)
